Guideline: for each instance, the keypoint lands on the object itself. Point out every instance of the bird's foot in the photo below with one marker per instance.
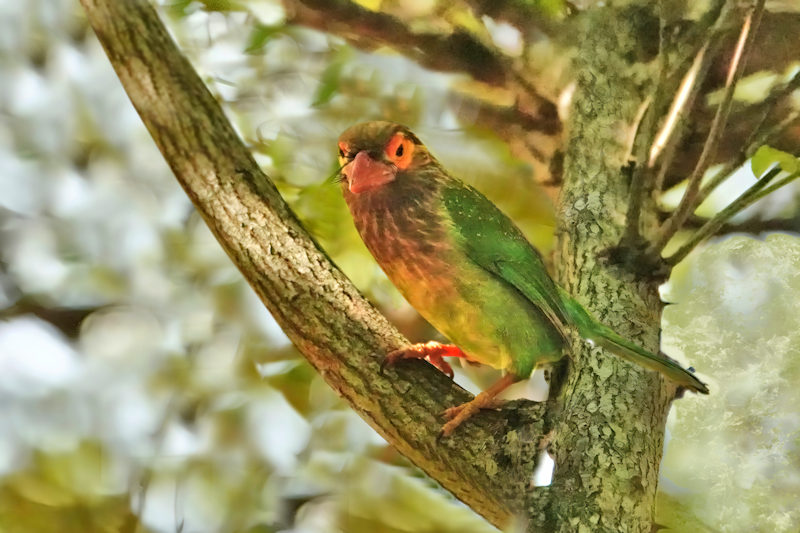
(433, 352)
(458, 414)
(485, 400)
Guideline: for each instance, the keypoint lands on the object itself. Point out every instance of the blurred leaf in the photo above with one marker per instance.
(331, 78)
(766, 156)
(673, 515)
(222, 5)
(550, 7)
(372, 5)
(260, 36)
(40, 490)
(178, 8)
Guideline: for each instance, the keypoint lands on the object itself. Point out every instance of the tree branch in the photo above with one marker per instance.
(331, 324)
(459, 51)
(758, 138)
(752, 226)
(687, 204)
(601, 392)
(641, 180)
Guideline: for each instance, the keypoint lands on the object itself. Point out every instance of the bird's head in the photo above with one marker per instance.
(374, 154)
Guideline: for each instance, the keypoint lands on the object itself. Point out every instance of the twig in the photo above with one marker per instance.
(684, 100)
(753, 226)
(755, 142)
(674, 128)
(758, 137)
(757, 191)
(743, 46)
(695, 71)
(773, 98)
(699, 31)
(145, 476)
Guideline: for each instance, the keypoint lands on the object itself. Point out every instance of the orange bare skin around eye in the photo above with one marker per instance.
(400, 151)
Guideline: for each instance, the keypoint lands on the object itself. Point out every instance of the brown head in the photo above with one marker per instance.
(374, 154)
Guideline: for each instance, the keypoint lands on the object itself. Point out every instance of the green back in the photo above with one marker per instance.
(494, 243)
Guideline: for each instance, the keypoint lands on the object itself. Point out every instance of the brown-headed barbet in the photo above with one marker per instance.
(465, 267)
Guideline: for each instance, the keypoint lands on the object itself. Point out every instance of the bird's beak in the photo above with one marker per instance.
(364, 173)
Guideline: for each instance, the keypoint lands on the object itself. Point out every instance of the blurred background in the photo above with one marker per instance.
(143, 387)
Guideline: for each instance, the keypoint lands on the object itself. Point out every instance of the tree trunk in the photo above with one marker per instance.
(609, 436)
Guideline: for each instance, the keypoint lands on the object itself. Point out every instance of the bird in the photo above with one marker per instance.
(466, 268)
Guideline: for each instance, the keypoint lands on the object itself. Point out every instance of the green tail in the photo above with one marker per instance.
(603, 336)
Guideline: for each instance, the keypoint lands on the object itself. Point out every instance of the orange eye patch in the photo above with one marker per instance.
(343, 150)
(400, 151)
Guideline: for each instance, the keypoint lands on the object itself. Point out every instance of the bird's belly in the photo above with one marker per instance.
(485, 317)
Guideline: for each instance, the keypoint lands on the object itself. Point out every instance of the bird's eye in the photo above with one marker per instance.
(400, 150)
(344, 152)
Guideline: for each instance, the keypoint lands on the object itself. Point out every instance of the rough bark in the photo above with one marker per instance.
(489, 465)
(609, 436)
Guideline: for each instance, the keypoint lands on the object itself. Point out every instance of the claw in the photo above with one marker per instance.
(432, 352)
(390, 359)
(443, 366)
(456, 415)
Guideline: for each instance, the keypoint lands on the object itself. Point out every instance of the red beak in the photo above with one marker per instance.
(364, 173)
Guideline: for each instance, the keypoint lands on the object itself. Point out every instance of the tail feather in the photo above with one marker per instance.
(603, 336)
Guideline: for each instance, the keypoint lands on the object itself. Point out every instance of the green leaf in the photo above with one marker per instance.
(551, 8)
(222, 5)
(178, 9)
(259, 37)
(329, 83)
(766, 156)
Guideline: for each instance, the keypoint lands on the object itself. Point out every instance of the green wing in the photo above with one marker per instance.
(494, 242)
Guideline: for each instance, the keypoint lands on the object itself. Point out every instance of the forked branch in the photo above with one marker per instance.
(761, 135)
(688, 202)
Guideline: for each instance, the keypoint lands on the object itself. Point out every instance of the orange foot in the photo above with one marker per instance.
(485, 400)
(432, 352)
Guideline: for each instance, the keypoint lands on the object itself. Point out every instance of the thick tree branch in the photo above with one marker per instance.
(459, 51)
(604, 482)
(641, 181)
(489, 463)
